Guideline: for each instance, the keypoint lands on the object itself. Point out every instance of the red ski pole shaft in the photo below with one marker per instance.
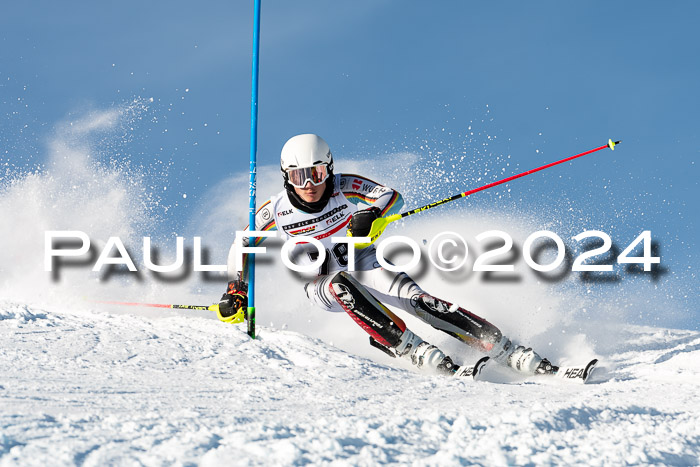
(610, 145)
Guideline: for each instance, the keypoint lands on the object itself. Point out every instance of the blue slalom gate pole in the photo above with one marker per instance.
(253, 166)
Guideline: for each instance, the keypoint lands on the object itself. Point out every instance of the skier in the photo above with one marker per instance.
(317, 203)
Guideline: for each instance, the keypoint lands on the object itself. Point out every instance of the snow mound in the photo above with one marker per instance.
(93, 388)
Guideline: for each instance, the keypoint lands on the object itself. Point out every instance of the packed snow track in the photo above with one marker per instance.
(92, 388)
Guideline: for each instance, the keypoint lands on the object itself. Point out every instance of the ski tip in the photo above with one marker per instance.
(479, 367)
(589, 369)
(612, 144)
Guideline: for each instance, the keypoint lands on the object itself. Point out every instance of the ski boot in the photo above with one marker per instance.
(521, 359)
(423, 355)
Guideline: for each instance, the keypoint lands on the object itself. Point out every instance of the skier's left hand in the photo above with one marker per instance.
(361, 222)
(233, 302)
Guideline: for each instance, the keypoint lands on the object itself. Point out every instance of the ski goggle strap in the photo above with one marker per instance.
(316, 175)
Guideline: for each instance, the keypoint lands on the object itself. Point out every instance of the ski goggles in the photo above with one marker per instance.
(316, 175)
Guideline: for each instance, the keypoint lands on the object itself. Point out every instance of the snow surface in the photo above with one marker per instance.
(94, 388)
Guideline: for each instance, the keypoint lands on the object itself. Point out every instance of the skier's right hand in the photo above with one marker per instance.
(360, 224)
(234, 302)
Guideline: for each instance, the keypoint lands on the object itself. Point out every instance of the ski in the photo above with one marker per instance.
(569, 373)
(472, 370)
(576, 373)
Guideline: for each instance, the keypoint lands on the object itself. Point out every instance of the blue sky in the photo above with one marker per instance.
(546, 79)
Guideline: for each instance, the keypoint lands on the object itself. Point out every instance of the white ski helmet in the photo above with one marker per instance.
(305, 152)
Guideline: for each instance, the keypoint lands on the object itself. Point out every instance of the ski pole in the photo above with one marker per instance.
(381, 223)
(238, 318)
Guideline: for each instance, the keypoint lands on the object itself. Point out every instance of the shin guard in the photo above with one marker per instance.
(380, 323)
(463, 324)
